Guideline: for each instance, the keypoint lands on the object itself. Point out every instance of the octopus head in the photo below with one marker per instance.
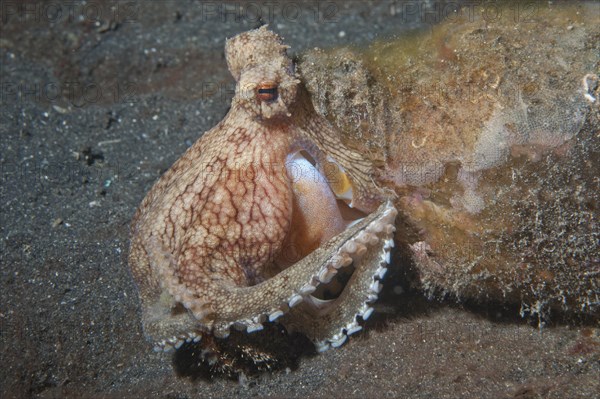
(266, 80)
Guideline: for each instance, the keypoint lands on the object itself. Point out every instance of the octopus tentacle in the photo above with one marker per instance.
(329, 323)
(248, 307)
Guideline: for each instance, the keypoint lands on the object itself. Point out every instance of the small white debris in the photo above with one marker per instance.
(590, 83)
(107, 142)
(60, 109)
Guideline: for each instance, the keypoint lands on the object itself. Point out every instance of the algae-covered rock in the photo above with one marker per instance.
(489, 130)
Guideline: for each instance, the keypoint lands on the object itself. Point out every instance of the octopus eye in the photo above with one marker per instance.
(267, 91)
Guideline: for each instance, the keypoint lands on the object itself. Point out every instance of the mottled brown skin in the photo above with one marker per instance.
(206, 237)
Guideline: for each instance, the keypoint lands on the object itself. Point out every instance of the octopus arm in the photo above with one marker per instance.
(364, 244)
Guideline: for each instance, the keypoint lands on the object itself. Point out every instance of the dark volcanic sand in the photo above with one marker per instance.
(92, 114)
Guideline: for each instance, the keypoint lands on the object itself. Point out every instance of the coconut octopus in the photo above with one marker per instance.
(255, 221)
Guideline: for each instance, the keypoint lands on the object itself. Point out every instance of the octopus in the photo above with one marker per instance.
(268, 217)
(284, 214)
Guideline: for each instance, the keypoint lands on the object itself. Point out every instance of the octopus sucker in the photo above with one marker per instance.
(259, 218)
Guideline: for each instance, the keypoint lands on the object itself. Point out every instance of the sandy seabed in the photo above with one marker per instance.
(100, 98)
